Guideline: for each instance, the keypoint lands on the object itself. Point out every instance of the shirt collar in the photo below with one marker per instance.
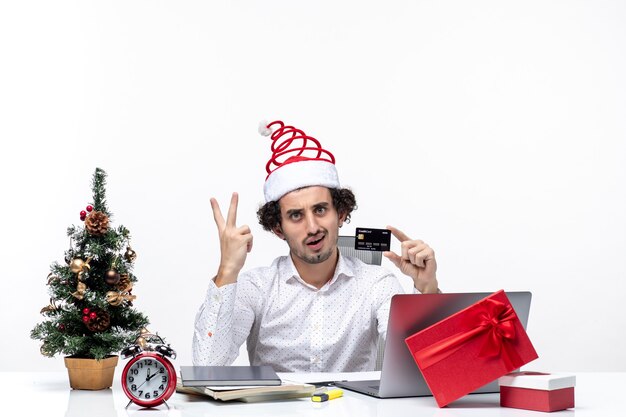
(289, 272)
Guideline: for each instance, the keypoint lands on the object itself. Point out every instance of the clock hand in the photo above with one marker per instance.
(142, 383)
(148, 377)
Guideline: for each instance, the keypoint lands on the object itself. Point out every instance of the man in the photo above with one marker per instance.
(313, 310)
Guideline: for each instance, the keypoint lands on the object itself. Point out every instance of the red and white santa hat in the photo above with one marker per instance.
(298, 161)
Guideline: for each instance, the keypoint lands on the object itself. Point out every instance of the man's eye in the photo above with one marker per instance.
(320, 210)
(294, 216)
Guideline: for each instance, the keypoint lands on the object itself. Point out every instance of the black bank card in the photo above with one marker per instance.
(372, 239)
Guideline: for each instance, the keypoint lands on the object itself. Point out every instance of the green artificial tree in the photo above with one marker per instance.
(90, 314)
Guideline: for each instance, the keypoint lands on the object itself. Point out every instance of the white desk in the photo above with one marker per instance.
(49, 395)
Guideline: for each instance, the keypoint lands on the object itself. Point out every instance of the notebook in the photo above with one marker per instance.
(287, 390)
(410, 313)
(220, 376)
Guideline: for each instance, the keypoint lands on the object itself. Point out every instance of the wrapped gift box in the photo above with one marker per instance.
(537, 391)
(471, 348)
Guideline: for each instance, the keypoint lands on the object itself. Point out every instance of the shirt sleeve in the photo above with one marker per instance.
(385, 288)
(223, 323)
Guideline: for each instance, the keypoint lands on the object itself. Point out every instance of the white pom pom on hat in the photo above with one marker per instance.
(297, 161)
(264, 130)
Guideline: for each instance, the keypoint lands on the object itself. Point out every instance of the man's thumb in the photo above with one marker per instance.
(393, 257)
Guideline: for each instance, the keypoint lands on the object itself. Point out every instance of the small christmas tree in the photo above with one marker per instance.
(90, 314)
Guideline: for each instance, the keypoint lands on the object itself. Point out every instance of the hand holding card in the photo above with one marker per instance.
(417, 260)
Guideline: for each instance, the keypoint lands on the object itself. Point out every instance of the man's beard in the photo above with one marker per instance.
(316, 258)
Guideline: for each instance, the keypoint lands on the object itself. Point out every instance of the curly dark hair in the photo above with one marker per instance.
(344, 202)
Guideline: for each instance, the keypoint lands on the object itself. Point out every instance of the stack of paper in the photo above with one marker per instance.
(251, 394)
(242, 383)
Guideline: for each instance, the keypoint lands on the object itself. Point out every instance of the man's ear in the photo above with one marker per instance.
(278, 232)
(342, 218)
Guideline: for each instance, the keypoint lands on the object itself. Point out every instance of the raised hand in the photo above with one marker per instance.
(235, 242)
(417, 260)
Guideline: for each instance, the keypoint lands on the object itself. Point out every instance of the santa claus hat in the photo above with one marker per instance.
(297, 161)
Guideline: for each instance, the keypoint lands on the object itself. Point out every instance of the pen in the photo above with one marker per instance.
(329, 395)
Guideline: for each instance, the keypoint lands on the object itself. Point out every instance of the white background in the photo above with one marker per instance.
(493, 130)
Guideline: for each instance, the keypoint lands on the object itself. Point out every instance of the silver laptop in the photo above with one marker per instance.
(410, 313)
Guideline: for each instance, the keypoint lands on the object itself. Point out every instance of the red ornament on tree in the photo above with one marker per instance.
(93, 315)
(89, 208)
(86, 319)
(86, 311)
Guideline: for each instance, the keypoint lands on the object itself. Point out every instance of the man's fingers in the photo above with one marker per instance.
(420, 254)
(217, 214)
(417, 256)
(249, 246)
(411, 244)
(243, 230)
(404, 250)
(231, 220)
(398, 234)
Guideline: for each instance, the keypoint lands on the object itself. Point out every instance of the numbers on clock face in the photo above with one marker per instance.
(147, 379)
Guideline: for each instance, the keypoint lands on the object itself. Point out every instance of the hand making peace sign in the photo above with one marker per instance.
(235, 242)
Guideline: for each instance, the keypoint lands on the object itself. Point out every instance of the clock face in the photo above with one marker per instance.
(148, 379)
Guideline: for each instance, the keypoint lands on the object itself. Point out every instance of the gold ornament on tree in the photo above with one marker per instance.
(124, 287)
(116, 298)
(50, 308)
(97, 223)
(53, 278)
(78, 266)
(112, 277)
(130, 255)
(79, 294)
(45, 350)
(141, 342)
(142, 339)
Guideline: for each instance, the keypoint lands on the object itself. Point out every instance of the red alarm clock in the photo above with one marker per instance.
(149, 378)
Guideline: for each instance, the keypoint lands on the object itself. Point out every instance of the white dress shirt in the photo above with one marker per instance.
(294, 326)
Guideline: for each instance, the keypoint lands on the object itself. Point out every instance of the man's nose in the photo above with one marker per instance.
(311, 224)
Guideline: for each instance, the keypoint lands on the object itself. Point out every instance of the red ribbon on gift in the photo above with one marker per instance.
(492, 321)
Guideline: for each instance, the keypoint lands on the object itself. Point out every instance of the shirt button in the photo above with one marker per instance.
(314, 359)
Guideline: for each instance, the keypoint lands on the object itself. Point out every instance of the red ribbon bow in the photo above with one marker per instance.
(492, 321)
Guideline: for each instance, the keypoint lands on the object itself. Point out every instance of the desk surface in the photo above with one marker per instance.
(48, 394)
